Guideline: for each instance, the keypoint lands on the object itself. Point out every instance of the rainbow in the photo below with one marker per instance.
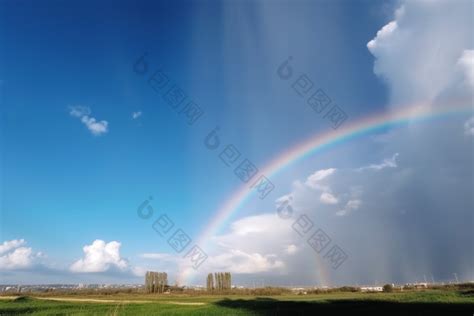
(319, 142)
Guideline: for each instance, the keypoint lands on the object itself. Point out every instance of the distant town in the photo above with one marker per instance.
(38, 288)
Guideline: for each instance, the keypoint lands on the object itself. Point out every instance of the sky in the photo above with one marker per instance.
(124, 124)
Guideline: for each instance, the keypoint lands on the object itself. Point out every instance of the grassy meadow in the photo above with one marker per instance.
(421, 302)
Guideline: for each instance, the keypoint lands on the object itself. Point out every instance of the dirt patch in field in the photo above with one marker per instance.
(92, 300)
(95, 300)
(186, 303)
(8, 297)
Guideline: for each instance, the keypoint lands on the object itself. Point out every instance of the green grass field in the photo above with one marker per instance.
(429, 302)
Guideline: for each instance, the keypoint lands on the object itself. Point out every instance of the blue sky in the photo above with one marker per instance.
(64, 185)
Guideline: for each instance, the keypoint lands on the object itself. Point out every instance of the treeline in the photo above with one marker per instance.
(467, 288)
(156, 282)
(351, 289)
(241, 291)
(219, 281)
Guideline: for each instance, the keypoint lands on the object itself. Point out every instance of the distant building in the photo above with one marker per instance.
(419, 285)
(299, 290)
(371, 288)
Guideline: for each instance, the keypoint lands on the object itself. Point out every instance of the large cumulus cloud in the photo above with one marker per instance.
(418, 53)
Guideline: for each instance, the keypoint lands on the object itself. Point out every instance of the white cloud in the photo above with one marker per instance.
(17, 259)
(387, 163)
(417, 53)
(100, 257)
(11, 244)
(238, 261)
(466, 63)
(328, 198)
(291, 249)
(79, 111)
(351, 205)
(249, 246)
(314, 180)
(254, 224)
(94, 126)
(139, 271)
(158, 256)
(380, 39)
(14, 256)
(342, 188)
(319, 181)
(469, 127)
(136, 115)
